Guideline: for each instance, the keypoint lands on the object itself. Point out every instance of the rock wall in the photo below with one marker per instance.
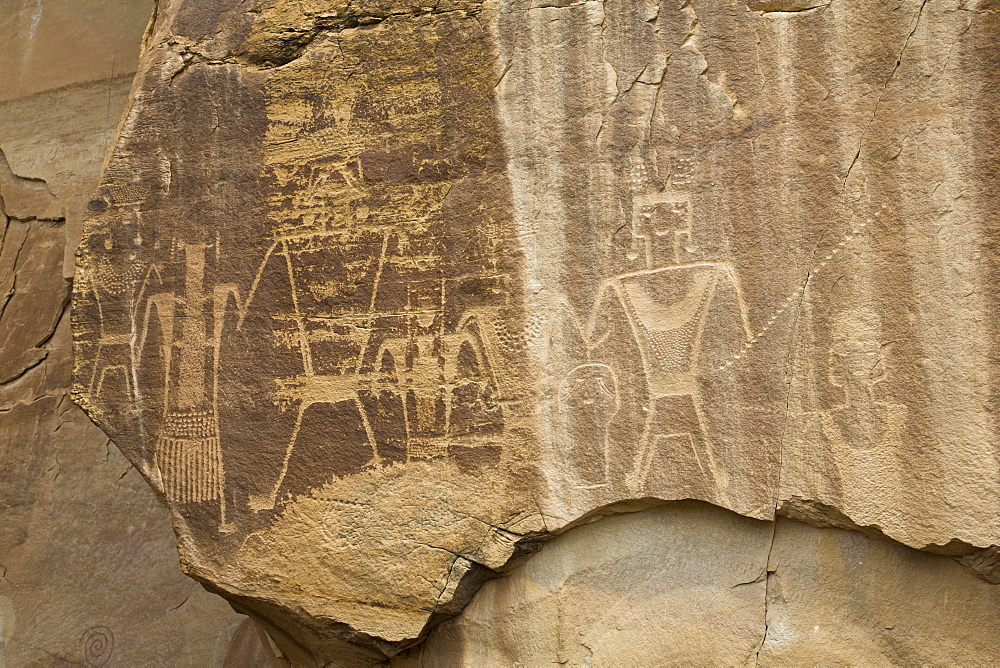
(88, 571)
(379, 297)
(691, 584)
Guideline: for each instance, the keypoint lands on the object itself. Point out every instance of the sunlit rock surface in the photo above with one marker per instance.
(379, 297)
(691, 584)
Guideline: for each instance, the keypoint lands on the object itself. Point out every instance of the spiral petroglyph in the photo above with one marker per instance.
(98, 643)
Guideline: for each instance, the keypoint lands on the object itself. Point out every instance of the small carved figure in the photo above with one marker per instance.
(856, 367)
(437, 377)
(589, 396)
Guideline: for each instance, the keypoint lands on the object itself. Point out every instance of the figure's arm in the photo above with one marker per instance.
(734, 281)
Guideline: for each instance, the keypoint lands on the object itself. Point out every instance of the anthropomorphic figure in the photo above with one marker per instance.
(864, 430)
(681, 317)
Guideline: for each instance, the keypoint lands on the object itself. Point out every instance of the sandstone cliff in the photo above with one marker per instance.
(379, 297)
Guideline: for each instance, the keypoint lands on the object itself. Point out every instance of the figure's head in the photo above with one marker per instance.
(115, 265)
(662, 221)
(589, 385)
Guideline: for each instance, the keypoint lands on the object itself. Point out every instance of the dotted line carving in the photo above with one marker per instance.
(785, 305)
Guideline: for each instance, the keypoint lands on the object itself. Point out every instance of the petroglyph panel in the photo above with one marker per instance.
(379, 297)
(736, 310)
(298, 323)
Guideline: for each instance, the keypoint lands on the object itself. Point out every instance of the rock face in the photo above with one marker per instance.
(88, 570)
(379, 296)
(691, 584)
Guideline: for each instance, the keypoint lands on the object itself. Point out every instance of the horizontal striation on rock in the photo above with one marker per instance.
(378, 297)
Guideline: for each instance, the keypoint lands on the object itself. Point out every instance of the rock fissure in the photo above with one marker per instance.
(878, 100)
(294, 43)
(765, 8)
(14, 274)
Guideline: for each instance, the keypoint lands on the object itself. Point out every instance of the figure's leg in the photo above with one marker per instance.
(719, 476)
(100, 379)
(220, 488)
(376, 459)
(644, 455)
(650, 441)
(447, 414)
(93, 384)
(406, 422)
(264, 501)
(607, 452)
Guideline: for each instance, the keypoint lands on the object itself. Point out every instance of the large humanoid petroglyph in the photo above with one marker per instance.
(378, 297)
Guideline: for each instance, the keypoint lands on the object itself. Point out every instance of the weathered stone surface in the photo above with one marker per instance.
(678, 584)
(836, 596)
(88, 572)
(378, 296)
(251, 645)
(691, 584)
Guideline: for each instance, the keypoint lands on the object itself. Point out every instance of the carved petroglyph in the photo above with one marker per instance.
(456, 299)
(517, 341)
(848, 409)
(187, 451)
(666, 310)
(189, 457)
(662, 222)
(98, 645)
(789, 301)
(98, 282)
(589, 397)
(688, 319)
(414, 361)
(419, 361)
(433, 371)
(863, 419)
(357, 311)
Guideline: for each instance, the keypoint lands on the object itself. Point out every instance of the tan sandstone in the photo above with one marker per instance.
(686, 583)
(379, 297)
(88, 571)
